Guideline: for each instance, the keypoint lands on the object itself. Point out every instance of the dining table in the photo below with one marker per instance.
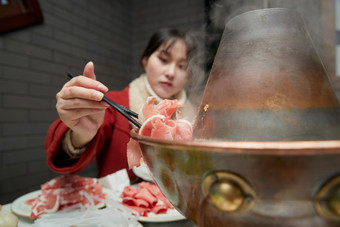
(26, 222)
(112, 186)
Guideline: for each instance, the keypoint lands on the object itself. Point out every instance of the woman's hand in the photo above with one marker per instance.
(80, 107)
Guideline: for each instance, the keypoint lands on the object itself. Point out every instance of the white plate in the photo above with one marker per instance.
(20, 208)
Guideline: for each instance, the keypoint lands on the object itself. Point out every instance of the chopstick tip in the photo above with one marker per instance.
(69, 75)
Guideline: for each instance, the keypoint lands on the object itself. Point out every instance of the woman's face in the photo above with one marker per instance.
(166, 70)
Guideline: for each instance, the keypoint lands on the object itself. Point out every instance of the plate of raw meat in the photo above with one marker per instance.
(60, 193)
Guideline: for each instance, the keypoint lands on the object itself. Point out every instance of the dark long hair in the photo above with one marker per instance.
(168, 36)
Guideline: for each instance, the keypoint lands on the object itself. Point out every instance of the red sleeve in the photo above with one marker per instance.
(59, 161)
(53, 147)
(108, 146)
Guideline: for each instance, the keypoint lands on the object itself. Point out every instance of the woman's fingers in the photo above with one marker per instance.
(79, 113)
(80, 92)
(89, 70)
(79, 102)
(82, 81)
(76, 103)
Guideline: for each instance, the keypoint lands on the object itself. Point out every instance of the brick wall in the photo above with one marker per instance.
(34, 60)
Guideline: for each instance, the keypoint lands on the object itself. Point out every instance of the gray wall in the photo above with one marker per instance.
(149, 15)
(34, 62)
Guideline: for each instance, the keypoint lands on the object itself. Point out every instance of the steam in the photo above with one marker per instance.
(320, 27)
(314, 12)
(224, 10)
(207, 39)
(197, 74)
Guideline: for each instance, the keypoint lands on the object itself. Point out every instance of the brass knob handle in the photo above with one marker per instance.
(228, 192)
(327, 200)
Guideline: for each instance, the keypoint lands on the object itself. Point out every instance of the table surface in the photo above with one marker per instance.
(26, 222)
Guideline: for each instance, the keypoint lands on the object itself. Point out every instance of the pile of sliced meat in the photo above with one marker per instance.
(158, 120)
(145, 198)
(65, 191)
(162, 121)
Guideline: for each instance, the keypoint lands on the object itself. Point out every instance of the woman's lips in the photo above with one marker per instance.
(166, 84)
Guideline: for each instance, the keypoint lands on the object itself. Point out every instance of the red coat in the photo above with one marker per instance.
(108, 146)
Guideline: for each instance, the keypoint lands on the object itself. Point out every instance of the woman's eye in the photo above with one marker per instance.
(164, 60)
(183, 67)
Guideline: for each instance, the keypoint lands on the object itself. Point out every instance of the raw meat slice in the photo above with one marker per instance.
(159, 209)
(146, 195)
(154, 189)
(142, 211)
(47, 202)
(135, 202)
(183, 130)
(148, 125)
(65, 191)
(150, 194)
(148, 109)
(134, 153)
(30, 202)
(158, 127)
(166, 108)
(157, 122)
(129, 191)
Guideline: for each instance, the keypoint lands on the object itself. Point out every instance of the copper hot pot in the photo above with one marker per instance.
(266, 148)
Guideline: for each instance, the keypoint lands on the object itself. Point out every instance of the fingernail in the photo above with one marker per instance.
(102, 87)
(97, 95)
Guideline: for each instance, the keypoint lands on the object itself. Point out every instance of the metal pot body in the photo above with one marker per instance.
(279, 183)
(267, 83)
(267, 148)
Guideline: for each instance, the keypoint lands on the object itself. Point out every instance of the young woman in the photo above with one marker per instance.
(89, 129)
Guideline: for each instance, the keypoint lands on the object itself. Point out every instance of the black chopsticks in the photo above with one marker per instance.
(121, 109)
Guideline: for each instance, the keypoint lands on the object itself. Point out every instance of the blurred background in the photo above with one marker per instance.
(41, 40)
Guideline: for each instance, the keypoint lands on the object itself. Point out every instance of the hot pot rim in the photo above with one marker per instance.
(321, 147)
